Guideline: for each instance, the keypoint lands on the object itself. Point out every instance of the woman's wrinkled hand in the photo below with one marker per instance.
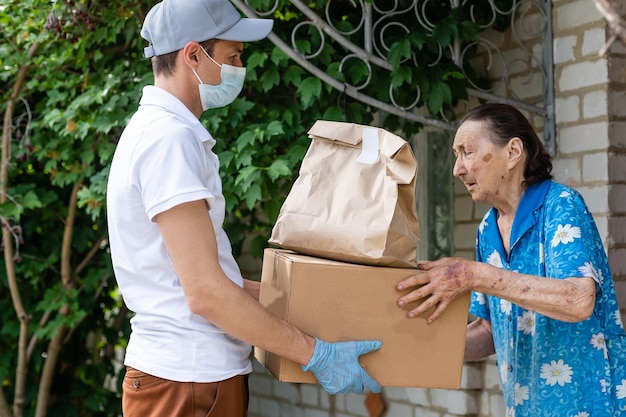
(437, 284)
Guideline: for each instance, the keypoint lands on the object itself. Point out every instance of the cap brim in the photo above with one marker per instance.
(247, 30)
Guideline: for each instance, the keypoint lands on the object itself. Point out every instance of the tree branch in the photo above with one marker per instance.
(54, 347)
(7, 240)
(4, 406)
(46, 316)
(616, 23)
(47, 373)
(92, 252)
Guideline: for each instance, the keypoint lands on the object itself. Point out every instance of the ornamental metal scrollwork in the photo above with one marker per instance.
(510, 77)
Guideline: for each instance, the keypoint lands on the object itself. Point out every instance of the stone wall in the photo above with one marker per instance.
(590, 110)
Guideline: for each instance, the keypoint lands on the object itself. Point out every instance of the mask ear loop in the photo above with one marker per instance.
(197, 76)
(210, 57)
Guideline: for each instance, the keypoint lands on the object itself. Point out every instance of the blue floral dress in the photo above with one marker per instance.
(549, 367)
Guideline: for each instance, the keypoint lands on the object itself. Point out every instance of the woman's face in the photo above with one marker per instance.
(480, 164)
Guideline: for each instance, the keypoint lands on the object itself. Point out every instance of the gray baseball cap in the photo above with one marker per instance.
(171, 24)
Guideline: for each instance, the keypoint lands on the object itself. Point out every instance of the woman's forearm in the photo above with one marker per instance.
(569, 299)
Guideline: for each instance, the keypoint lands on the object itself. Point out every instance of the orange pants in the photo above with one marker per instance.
(145, 395)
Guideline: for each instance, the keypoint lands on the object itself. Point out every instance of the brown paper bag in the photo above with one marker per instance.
(354, 199)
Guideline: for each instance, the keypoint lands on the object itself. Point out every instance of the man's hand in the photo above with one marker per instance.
(336, 366)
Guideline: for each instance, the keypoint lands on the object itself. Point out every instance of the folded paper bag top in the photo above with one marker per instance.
(354, 198)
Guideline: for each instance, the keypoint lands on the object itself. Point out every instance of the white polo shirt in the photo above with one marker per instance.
(164, 158)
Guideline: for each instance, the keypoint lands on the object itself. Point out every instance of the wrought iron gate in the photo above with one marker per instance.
(521, 73)
(530, 19)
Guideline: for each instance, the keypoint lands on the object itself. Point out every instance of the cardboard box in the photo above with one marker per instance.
(337, 301)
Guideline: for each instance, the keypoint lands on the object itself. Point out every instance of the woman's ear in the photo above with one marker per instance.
(516, 150)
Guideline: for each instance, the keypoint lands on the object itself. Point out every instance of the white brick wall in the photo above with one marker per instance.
(583, 74)
(567, 108)
(595, 104)
(457, 402)
(399, 410)
(570, 15)
(565, 49)
(583, 137)
(593, 41)
(567, 170)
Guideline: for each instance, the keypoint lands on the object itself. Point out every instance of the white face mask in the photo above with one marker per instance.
(215, 96)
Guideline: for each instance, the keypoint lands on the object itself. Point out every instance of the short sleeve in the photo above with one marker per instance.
(170, 171)
(479, 306)
(572, 241)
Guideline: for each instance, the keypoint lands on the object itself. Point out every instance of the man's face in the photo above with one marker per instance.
(224, 52)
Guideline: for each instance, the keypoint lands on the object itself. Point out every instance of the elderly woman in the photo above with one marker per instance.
(542, 289)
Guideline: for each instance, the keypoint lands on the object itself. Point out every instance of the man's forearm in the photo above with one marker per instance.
(253, 288)
(479, 341)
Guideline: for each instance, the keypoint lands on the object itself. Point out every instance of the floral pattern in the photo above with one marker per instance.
(521, 394)
(565, 234)
(526, 323)
(621, 390)
(556, 373)
(548, 367)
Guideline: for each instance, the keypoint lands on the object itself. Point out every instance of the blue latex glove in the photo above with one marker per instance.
(336, 366)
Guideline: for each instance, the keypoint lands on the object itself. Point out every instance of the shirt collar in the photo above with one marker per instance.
(156, 96)
(526, 214)
(529, 205)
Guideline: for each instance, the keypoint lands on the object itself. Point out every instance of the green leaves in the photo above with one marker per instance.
(18, 203)
(54, 299)
(398, 52)
(256, 60)
(309, 89)
(439, 94)
(279, 168)
(446, 30)
(251, 176)
(401, 75)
